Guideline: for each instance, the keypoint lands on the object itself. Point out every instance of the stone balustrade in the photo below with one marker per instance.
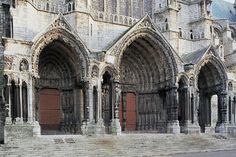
(192, 35)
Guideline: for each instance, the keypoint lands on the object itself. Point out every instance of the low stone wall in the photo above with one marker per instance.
(14, 132)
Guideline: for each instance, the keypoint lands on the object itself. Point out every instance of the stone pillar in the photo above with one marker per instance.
(115, 124)
(90, 103)
(173, 123)
(105, 6)
(21, 100)
(9, 118)
(30, 102)
(189, 126)
(100, 128)
(18, 105)
(221, 126)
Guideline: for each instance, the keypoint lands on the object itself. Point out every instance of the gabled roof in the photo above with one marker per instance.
(196, 56)
(59, 22)
(223, 10)
(144, 22)
(145, 18)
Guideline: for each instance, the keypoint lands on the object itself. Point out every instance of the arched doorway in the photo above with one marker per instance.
(211, 84)
(60, 103)
(107, 99)
(183, 107)
(147, 83)
(25, 101)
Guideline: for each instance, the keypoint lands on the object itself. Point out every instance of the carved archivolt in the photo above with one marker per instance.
(157, 42)
(60, 30)
(219, 67)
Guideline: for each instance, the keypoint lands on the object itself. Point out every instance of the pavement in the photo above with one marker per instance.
(130, 145)
(228, 153)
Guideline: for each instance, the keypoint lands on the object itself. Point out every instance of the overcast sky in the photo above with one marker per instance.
(230, 1)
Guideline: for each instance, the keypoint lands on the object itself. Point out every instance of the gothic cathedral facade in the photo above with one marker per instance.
(113, 66)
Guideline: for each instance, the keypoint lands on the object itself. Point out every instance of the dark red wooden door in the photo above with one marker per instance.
(49, 105)
(131, 116)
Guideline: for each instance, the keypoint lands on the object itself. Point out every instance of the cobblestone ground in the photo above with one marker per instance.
(124, 145)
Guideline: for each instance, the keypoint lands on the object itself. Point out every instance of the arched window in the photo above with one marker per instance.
(191, 34)
(47, 6)
(13, 3)
(180, 33)
(69, 7)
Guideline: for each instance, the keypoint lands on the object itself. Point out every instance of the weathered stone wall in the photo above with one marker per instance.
(124, 7)
(2, 105)
(137, 12)
(1, 20)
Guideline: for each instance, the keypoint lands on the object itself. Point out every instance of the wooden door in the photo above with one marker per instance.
(49, 106)
(131, 116)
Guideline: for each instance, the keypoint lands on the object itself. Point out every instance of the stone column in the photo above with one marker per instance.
(90, 97)
(9, 118)
(105, 6)
(173, 123)
(21, 100)
(196, 107)
(221, 126)
(115, 124)
(18, 109)
(100, 128)
(30, 102)
(234, 111)
(86, 101)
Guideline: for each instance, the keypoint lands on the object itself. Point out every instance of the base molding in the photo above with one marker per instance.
(190, 128)
(93, 128)
(115, 127)
(232, 130)
(221, 128)
(173, 127)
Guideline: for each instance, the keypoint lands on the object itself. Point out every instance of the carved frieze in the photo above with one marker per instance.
(8, 62)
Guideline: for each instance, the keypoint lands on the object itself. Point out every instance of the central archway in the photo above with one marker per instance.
(147, 77)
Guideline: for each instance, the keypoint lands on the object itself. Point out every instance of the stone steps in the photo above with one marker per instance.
(124, 145)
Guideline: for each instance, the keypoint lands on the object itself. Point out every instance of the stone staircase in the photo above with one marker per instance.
(124, 145)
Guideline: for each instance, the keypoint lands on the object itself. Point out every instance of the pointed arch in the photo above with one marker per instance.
(80, 51)
(215, 68)
(148, 40)
(147, 70)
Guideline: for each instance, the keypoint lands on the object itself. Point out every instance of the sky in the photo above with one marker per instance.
(230, 1)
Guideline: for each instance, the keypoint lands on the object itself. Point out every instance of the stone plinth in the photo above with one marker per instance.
(115, 127)
(190, 128)
(173, 127)
(21, 131)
